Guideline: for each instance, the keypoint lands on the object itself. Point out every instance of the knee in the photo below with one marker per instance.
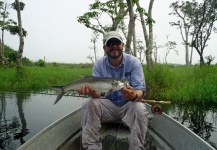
(94, 103)
(92, 107)
(89, 103)
(140, 110)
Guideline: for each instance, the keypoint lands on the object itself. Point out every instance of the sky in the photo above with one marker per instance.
(55, 35)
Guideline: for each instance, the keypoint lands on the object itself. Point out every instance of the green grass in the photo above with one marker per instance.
(39, 78)
(178, 84)
(183, 84)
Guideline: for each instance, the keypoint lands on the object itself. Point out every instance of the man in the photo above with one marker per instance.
(119, 105)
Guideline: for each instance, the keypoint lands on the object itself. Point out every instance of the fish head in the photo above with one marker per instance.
(119, 84)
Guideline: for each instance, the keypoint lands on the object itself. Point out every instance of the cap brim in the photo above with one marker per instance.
(111, 37)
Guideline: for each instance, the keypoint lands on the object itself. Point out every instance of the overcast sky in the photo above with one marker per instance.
(54, 33)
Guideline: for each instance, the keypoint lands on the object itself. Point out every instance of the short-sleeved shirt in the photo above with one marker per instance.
(130, 69)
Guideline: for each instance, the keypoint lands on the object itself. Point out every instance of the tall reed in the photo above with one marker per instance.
(194, 83)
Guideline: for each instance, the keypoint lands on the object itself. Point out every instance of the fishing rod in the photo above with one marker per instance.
(156, 106)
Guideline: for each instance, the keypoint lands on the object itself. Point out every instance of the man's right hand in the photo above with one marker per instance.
(88, 90)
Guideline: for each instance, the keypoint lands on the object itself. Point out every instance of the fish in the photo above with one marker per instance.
(101, 84)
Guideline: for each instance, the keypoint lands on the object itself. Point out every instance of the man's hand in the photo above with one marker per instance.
(129, 93)
(88, 90)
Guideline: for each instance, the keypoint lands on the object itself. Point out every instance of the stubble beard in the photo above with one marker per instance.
(114, 55)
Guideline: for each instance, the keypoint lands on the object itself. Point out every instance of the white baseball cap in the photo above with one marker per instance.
(112, 34)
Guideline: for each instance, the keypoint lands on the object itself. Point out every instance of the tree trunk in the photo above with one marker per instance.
(150, 44)
(186, 47)
(134, 43)
(21, 46)
(148, 37)
(120, 14)
(190, 62)
(131, 26)
(2, 51)
(1, 54)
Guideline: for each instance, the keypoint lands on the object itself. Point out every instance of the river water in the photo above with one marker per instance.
(23, 115)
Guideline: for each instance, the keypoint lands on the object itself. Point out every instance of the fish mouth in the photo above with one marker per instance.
(126, 83)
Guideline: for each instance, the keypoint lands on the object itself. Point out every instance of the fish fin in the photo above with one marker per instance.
(61, 92)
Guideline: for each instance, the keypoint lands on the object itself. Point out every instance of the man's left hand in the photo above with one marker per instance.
(129, 93)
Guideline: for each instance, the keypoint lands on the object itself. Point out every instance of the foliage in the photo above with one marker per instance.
(5, 22)
(14, 5)
(27, 62)
(40, 63)
(11, 56)
(115, 9)
(14, 30)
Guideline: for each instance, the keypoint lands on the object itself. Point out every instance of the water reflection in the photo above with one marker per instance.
(22, 115)
(200, 118)
(8, 126)
(23, 131)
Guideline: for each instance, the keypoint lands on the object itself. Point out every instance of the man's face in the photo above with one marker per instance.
(114, 48)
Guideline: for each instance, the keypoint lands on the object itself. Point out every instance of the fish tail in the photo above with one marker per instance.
(61, 92)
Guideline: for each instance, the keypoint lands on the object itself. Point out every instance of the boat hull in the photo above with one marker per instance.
(163, 133)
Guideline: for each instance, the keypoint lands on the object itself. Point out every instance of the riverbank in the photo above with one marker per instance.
(174, 83)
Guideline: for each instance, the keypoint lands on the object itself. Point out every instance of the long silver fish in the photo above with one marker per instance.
(100, 84)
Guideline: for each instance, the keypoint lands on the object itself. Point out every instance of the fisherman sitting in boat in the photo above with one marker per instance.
(119, 105)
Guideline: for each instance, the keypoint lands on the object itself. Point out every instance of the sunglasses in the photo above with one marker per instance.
(113, 42)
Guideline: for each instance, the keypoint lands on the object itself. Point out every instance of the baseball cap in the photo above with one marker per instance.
(112, 34)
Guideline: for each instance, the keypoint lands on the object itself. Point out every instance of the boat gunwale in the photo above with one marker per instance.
(50, 127)
(180, 126)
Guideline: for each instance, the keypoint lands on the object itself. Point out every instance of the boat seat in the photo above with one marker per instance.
(115, 135)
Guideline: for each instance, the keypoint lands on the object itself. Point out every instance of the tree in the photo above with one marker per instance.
(91, 58)
(95, 37)
(197, 21)
(170, 45)
(204, 18)
(114, 9)
(5, 24)
(155, 49)
(18, 6)
(140, 48)
(209, 59)
(185, 12)
(131, 26)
